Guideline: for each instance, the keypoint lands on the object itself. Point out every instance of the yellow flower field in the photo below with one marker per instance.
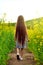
(35, 35)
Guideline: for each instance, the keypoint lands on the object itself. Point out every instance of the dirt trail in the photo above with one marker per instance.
(28, 59)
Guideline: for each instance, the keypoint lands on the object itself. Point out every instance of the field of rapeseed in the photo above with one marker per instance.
(6, 42)
(35, 33)
(36, 40)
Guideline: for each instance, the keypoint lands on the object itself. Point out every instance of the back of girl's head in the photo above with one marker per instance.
(20, 20)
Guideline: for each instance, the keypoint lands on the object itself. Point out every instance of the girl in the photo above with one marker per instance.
(20, 37)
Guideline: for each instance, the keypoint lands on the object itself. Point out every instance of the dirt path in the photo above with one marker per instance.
(28, 59)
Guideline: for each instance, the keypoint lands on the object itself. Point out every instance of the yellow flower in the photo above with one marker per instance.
(35, 58)
(40, 43)
(41, 23)
(42, 37)
(38, 36)
(38, 49)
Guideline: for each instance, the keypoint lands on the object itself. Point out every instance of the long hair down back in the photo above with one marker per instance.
(20, 30)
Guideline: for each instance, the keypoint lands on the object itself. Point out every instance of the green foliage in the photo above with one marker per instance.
(36, 40)
(35, 33)
(6, 43)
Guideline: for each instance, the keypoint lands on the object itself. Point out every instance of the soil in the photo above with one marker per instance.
(28, 59)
